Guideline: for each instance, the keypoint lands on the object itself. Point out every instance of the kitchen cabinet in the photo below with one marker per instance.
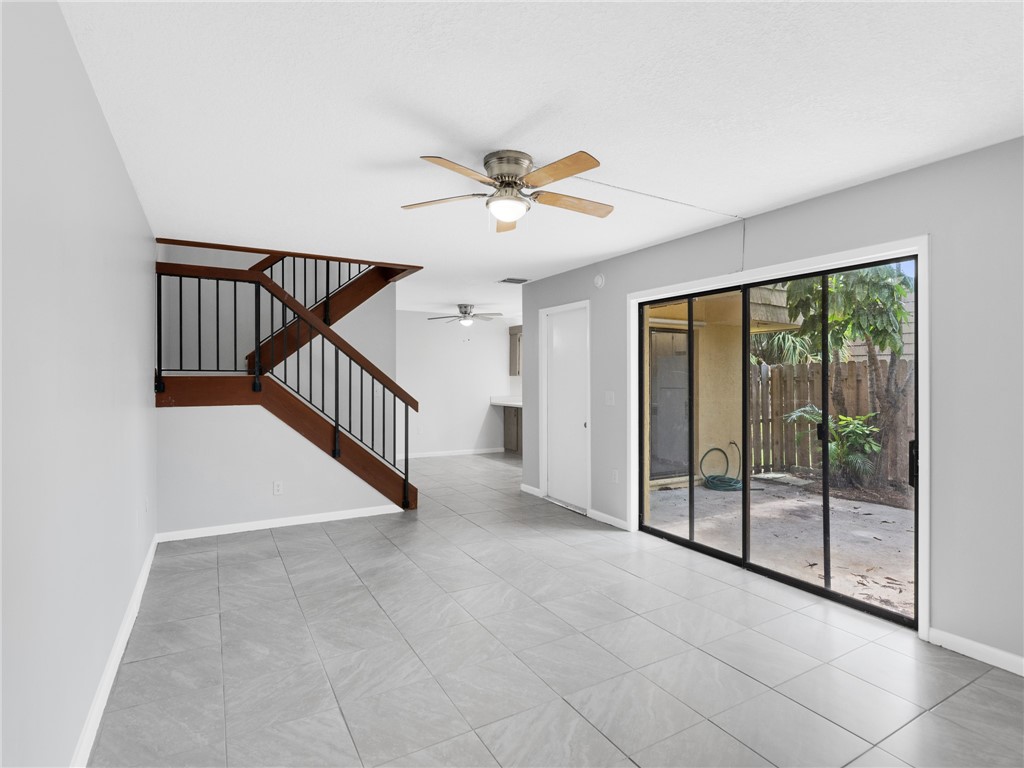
(513, 429)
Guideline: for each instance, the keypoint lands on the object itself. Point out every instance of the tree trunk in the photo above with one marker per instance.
(838, 394)
(873, 374)
(890, 408)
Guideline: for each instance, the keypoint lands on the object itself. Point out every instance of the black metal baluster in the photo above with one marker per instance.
(234, 335)
(199, 324)
(273, 332)
(181, 329)
(323, 377)
(327, 294)
(405, 483)
(362, 407)
(257, 386)
(348, 396)
(373, 415)
(158, 382)
(394, 430)
(216, 324)
(337, 435)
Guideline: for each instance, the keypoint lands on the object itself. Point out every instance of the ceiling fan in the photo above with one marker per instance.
(510, 172)
(466, 315)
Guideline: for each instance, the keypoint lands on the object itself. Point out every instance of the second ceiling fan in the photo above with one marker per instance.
(510, 172)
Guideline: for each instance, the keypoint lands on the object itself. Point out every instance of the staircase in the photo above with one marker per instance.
(263, 336)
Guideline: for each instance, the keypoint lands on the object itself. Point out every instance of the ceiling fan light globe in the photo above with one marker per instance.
(507, 209)
(466, 321)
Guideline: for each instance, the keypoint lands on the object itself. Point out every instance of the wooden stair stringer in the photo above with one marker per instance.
(191, 391)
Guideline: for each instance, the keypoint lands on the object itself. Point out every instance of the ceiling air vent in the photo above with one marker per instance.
(514, 280)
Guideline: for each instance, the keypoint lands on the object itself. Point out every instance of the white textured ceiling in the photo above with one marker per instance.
(299, 126)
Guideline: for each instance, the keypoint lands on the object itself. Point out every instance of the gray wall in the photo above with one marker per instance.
(970, 206)
(453, 371)
(79, 500)
(218, 466)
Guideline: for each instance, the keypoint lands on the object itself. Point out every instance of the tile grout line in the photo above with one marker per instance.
(305, 620)
(223, 675)
(316, 649)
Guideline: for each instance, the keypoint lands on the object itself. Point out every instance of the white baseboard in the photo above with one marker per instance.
(466, 452)
(87, 737)
(1011, 662)
(259, 525)
(601, 517)
(531, 490)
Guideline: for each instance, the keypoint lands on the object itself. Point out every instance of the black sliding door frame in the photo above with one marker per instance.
(743, 560)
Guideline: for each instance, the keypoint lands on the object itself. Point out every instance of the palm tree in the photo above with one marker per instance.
(863, 305)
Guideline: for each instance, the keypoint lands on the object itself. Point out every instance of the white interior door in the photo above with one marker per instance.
(567, 388)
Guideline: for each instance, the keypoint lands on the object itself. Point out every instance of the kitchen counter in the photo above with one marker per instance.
(508, 401)
(512, 414)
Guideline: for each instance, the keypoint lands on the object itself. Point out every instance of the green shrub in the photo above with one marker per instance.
(852, 444)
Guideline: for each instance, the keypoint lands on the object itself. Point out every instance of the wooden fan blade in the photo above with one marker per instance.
(577, 204)
(445, 317)
(475, 175)
(560, 169)
(425, 203)
(488, 314)
(506, 226)
(485, 318)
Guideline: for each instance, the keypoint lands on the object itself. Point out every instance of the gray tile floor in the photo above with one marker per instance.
(492, 628)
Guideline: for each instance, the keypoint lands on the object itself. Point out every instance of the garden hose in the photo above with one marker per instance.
(722, 482)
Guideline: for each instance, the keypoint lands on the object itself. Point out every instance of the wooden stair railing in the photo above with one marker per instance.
(332, 308)
(347, 393)
(336, 287)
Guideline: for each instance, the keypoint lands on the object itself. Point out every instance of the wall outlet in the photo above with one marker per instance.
(278, 487)
(609, 397)
(615, 476)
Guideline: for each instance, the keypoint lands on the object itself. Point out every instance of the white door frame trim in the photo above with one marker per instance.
(542, 417)
(914, 246)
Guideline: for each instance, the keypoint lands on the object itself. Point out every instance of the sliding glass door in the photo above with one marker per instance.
(872, 429)
(787, 508)
(694, 435)
(779, 422)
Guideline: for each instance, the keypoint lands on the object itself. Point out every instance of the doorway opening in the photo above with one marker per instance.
(778, 429)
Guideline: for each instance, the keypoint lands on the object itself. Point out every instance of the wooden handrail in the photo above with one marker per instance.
(251, 276)
(273, 256)
(317, 324)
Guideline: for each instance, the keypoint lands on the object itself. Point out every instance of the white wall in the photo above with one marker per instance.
(453, 371)
(217, 467)
(970, 207)
(372, 328)
(79, 493)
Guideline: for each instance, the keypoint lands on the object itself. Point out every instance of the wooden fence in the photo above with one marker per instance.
(777, 445)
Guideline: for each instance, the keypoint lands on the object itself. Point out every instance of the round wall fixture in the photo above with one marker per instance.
(599, 280)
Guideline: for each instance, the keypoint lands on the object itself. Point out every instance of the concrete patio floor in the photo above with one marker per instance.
(872, 545)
